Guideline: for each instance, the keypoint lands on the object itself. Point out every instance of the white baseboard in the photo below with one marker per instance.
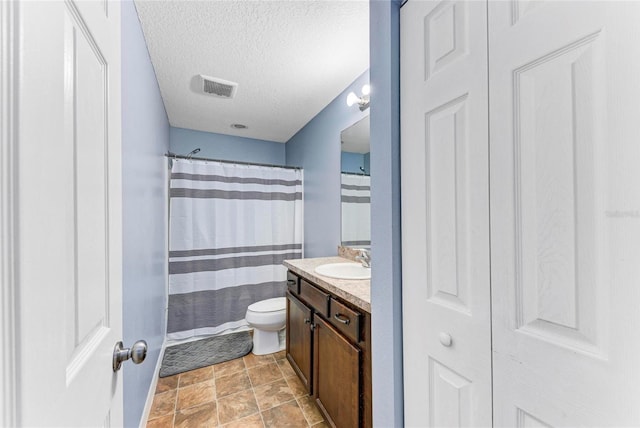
(152, 388)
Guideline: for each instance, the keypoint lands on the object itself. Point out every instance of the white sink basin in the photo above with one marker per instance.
(344, 271)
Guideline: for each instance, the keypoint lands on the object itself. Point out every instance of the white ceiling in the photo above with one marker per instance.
(290, 59)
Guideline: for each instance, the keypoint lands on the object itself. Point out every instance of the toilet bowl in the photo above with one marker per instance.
(267, 317)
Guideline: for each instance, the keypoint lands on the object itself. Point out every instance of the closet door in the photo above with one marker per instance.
(445, 214)
(565, 212)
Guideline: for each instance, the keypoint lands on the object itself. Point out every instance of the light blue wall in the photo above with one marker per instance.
(386, 293)
(316, 148)
(226, 147)
(145, 138)
(351, 162)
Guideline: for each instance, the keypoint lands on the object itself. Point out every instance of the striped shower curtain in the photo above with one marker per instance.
(356, 210)
(230, 228)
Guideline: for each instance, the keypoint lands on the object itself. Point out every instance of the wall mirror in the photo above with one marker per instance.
(356, 185)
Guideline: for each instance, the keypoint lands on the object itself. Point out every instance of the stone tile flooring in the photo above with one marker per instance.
(253, 391)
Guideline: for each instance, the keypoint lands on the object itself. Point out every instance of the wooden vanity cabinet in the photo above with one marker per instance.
(329, 347)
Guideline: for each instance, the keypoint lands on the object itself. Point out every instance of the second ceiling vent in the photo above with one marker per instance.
(218, 87)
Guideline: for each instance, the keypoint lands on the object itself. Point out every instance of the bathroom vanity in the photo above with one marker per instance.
(329, 340)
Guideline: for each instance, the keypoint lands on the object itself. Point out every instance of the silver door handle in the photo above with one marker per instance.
(137, 353)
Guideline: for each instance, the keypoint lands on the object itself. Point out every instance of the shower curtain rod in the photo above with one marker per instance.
(359, 174)
(175, 156)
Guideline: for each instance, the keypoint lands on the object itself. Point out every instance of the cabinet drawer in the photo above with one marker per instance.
(346, 320)
(315, 297)
(293, 283)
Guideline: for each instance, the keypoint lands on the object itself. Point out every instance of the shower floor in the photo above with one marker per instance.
(252, 391)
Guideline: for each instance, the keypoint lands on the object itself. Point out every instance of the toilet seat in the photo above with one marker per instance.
(269, 305)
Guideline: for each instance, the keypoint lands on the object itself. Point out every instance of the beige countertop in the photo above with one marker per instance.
(357, 291)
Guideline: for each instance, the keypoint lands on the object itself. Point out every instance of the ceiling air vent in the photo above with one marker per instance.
(218, 87)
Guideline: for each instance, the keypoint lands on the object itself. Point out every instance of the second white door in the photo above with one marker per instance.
(565, 212)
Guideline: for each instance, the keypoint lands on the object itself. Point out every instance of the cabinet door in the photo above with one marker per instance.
(336, 377)
(299, 338)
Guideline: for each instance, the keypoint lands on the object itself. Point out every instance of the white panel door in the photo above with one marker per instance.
(565, 212)
(69, 213)
(445, 214)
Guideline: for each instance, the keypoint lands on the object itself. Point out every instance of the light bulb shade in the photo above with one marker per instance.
(352, 98)
(366, 90)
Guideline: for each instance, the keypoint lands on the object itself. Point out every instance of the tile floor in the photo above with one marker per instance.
(253, 391)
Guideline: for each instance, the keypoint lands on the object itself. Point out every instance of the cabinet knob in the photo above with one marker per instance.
(307, 321)
(445, 339)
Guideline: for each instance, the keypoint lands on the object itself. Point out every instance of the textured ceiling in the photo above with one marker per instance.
(289, 58)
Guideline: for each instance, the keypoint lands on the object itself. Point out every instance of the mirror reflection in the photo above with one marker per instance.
(356, 185)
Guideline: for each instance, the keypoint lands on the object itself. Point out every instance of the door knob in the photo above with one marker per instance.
(445, 339)
(137, 353)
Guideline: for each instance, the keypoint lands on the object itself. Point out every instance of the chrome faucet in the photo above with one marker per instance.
(364, 257)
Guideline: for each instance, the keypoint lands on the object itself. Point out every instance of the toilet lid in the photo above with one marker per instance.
(269, 305)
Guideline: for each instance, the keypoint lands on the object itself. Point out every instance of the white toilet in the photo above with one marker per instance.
(267, 317)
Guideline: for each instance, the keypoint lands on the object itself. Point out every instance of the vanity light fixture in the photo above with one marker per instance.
(363, 101)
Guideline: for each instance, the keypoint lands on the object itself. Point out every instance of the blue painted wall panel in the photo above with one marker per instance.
(145, 138)
(386, 292)
(226, 147)
(316, 148)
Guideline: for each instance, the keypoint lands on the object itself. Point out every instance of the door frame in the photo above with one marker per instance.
(9, 95)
